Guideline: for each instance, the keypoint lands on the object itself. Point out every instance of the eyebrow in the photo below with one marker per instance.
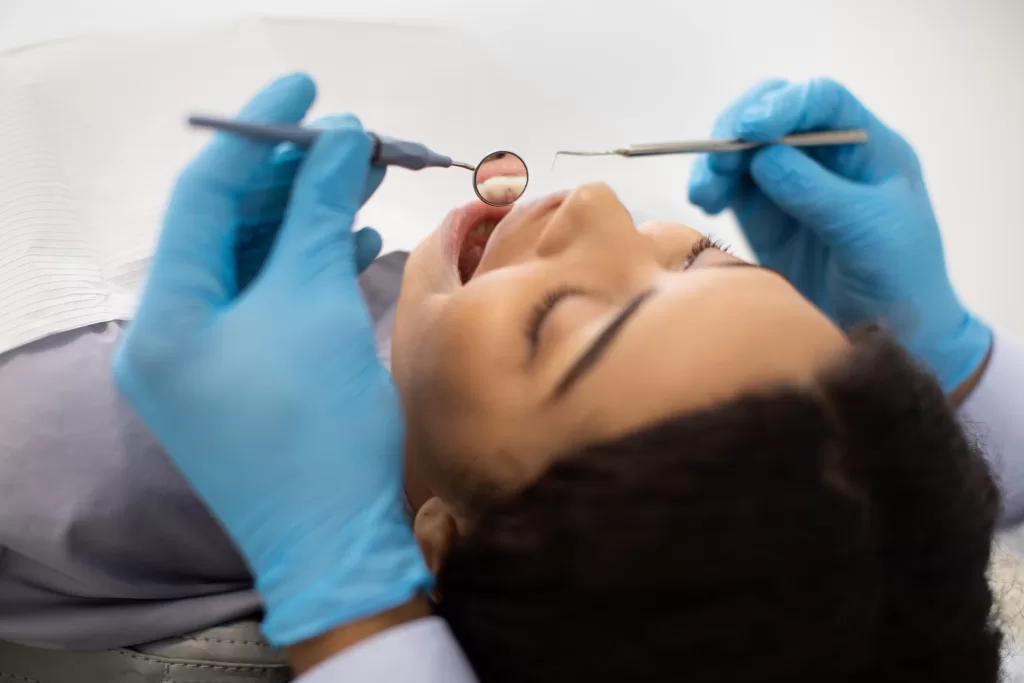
(589, 358)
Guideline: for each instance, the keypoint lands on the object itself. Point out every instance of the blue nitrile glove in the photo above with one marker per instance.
(851, 226)
(272, 402)
(267, 204)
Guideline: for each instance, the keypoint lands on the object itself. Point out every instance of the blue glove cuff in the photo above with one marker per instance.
(957, 357)
(365, 573)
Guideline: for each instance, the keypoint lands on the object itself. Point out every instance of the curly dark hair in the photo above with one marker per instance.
(828, 535)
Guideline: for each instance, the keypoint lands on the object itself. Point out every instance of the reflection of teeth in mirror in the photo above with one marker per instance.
(502, 188)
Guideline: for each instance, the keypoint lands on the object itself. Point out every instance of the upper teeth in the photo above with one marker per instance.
(502, 188)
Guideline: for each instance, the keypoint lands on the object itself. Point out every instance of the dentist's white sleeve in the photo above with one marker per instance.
(422, 651)
(994, 414)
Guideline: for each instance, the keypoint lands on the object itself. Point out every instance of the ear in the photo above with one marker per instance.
(436, 529)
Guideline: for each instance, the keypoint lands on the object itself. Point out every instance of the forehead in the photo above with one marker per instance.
(703, 338)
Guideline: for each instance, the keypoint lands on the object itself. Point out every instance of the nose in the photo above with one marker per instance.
(591, 217)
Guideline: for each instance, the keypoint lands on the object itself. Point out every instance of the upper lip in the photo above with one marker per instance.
(507, 165)
(522, 212)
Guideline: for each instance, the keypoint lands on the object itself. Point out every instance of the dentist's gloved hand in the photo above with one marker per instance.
(851, 226)
(272, 402)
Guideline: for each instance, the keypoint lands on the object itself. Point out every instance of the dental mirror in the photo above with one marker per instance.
(500, 178)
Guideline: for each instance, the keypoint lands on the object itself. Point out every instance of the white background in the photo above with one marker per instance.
(946, 73)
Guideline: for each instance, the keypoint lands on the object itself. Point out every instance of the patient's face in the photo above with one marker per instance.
(569, 325)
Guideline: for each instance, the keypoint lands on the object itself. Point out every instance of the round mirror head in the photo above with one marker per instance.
(500, 178)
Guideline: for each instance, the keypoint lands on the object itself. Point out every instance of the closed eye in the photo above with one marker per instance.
(699, 247)
(591, 355)
(541, 312)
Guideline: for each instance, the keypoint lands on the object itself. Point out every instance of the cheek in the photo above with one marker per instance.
(463, 351)
(480, 332)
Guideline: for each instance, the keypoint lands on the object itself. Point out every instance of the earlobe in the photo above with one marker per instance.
(436, 529)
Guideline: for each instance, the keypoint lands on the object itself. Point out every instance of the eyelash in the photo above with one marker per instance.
(541, 310)
(700, 246)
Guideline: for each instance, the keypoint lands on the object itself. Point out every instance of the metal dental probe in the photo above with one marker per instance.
(832, 137)
(387, 151)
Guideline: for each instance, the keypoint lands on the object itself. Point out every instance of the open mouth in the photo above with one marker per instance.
(472, 250)
(472, 227)
(479, 223)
